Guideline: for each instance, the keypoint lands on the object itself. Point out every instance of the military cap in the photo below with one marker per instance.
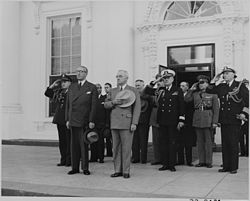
(203, 78)
(65, 77)
(168, 73)
(227, 69)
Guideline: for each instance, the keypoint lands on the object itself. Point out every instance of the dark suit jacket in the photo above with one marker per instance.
(101, 113)
(81, 104)
(146, 108)
(228, 108)
(59, 97)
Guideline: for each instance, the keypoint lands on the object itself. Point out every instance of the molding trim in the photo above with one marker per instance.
(37, 14)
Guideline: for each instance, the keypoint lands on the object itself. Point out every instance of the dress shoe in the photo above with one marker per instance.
(101, 161)
(209, 166)
(190, 164)
(172, 169)
(61, 164)
(73, 172)
(222, 170)
(86, 172)
(200, 165)
(233, 172)
(117, 174)
(126, 175)
(164, 167)
(155, 163)
(135, 161)
(143, 162)
(242, 154)
(68, 165)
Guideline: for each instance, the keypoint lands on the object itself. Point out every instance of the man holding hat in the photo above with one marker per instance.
(58, 96)
(170, 116)
(80, 116)
(125, 105)
(234, 106)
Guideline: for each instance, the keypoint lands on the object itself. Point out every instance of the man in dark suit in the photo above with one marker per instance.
(234, 106)
(140, 139)
(80, 115)
(170, 116)
(108, 136)
(124, 120)
(58, 96)
(186, 136)
(97, 148)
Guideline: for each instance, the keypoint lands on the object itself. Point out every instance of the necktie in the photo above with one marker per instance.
(121, 88)
(79, 85)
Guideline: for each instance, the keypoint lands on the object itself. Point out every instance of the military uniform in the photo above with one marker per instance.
(58, 96)
(205, 115)
(231, 104)
(170, 112)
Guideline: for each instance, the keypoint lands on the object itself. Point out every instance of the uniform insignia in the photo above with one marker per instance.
(88, 92)
(175, 93)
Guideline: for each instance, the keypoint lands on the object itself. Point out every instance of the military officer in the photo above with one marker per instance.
(170, 116)
(205, 118)
(234, 104)
(58, 96)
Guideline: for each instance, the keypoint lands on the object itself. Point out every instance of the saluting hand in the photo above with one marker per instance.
(55, 84)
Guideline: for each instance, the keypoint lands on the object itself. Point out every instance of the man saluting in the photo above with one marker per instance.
(234, 97)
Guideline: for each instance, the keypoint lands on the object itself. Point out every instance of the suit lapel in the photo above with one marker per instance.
(82, 90)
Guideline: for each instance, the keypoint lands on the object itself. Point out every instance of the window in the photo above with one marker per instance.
(191, 9)
(193, 54)
(65, 48)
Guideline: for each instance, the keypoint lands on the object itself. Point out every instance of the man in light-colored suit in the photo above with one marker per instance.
(80, 115)
(123, 124)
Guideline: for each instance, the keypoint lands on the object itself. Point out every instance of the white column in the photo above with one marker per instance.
(10, 69)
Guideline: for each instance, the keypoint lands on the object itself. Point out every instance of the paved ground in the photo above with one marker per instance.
(32, 170)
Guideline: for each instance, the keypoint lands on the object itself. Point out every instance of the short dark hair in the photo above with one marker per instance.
(110, 85)
(139, 80)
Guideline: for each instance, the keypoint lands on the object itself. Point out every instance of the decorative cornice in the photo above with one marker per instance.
(191, 22)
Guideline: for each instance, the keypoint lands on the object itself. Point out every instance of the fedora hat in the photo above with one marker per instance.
(90, 136)
(127, 97)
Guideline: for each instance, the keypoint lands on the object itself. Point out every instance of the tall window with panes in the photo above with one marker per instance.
(65, 48)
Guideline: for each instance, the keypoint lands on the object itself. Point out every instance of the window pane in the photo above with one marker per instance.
(66, 46)
(66, 64)
(76, 26)
(76, 45)
(55, 65)
(56, 25)
(179, 55)
(65, 28)
(55, 47)
(76, 62)
(191, 55)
